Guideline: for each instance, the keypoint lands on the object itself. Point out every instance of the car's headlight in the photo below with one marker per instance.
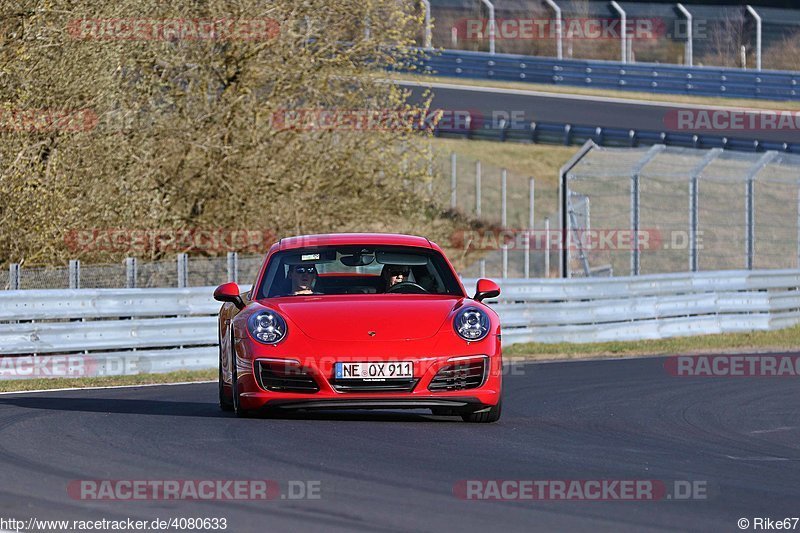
(267, 326)
(471, 324)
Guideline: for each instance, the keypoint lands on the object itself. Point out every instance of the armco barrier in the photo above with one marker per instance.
(129, 331)
(641, 77)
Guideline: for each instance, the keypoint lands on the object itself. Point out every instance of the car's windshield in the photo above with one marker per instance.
(358, 270)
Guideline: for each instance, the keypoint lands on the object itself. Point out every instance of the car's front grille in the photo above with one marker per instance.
(459, 376)
(278, 376)
(367, 385)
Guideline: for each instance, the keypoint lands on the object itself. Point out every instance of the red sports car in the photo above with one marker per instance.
(359, 321)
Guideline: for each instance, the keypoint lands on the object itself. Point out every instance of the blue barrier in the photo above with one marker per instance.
(569, 134)
(642, 77)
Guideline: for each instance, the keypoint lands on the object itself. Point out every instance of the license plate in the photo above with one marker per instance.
(400, 369)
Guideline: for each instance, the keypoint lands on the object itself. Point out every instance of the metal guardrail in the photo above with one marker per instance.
(129, 331)
(576, 134)
(642, 77)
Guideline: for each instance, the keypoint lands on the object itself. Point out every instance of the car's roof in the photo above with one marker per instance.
(345, 239)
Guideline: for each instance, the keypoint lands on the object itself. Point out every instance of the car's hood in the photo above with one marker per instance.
(390, 317)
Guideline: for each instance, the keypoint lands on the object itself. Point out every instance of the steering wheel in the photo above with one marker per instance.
(407, 287)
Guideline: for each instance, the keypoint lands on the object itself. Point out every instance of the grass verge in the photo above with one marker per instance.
(109, 381)
(756, 341)
(629, 95)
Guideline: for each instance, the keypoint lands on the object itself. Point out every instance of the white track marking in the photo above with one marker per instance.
(109, 387)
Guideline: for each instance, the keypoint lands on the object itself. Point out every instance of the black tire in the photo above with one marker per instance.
(485, 417)
(225, 403)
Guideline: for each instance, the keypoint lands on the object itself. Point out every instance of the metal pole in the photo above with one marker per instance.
(233, 267)
(751, 224)
(689, 34)
(694, 209)
(453, 181)
(559, 30)
(428, 39)
(757, 18)
(130, 272)
(492, 26)
(183, 271)
(635, 178)
(482, 263)
(504, 215)
(531, 196)
(798, 224)
(14, 275)
(547, 247)
(624, 34)
(74, 274)
(478, 189)
(563, 196)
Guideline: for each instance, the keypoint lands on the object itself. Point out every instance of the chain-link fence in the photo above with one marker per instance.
(666, 209)
(725, 36)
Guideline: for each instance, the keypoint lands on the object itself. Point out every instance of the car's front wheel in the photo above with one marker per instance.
(486, 417)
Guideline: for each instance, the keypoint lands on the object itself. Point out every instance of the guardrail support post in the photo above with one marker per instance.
(14, 275)
(74, 274)
(478, 189)
(547, 247)
(233, 267)
(757, 18)
(624, 34)
(453, 181)
(427, 5)
(504, 216)
(183, 270)
(531, 199)
(130, 272)
(689, 35)
(559, 30)
(492, 26)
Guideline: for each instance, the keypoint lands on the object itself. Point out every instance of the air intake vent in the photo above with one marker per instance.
(282, 377)
(459, 376)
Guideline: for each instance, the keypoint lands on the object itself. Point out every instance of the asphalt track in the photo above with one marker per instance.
(575, 109)
(395, 471)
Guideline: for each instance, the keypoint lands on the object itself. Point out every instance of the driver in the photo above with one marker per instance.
(394, 274)
(303, 278)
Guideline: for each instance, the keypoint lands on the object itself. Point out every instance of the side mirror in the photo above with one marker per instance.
(486, 289)
(229, 292)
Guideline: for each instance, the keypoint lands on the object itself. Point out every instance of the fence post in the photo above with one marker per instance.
(14, 275)
(74, 274)
(130, 272)
(478, 189)
(547, 247)
(482, 264)
(453, 181)
(637, 169)
(504, 215)
(693, 212)
(531, 197)
(233, 267)
(183, 270)
(751, 224)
